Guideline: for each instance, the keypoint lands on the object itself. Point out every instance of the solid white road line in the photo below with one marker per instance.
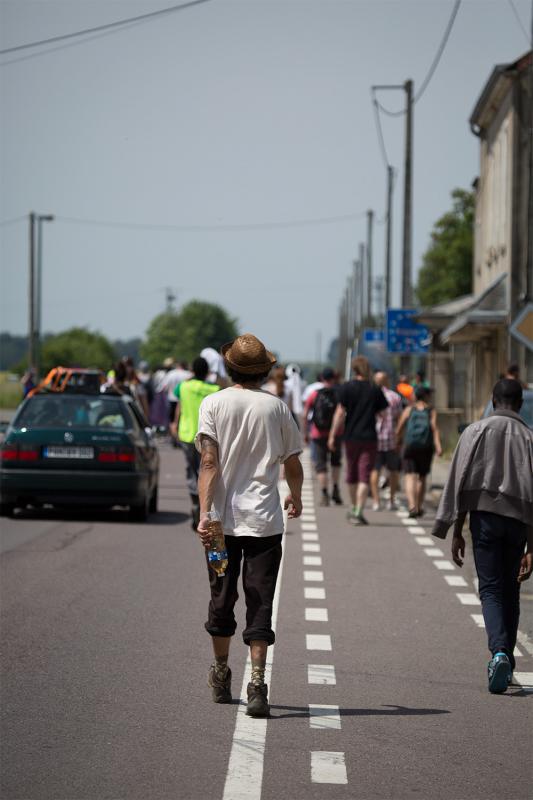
(316, 615)
(321, 716)
(312, 561)
(444, 564)
(313, 575)
(424, 540)
(314, 593)
(310, 537)
(318, 641)
(244, 777)
(310, 547)
(455, 580)
(433, 551)
(323, 674)
(468, 599)
(328, 767)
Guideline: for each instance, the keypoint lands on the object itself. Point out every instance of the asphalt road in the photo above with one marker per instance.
(105, 658)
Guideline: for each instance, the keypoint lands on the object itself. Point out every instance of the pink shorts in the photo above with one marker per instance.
(360, 460)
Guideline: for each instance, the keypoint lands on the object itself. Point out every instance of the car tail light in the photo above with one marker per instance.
(10, 452)
(28, 454)
(126, 456)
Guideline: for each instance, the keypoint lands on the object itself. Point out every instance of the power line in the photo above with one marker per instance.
(213, 228)
(95, 29)
(433, 67)
(4, 222)
(519, 20)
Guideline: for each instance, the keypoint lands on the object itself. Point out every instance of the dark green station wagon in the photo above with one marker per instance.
(79, 449)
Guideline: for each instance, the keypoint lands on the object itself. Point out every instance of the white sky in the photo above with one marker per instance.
(234, 111)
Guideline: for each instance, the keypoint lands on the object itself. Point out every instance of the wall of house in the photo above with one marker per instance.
(493, 225)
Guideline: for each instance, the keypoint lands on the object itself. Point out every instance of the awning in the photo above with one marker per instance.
(486, 312)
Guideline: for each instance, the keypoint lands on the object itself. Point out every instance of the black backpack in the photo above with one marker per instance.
(324, 408)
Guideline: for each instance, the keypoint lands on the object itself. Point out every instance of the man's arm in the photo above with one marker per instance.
(436, 433)
(526, 565)
(294, 475)
(338, 420)
(207, 481)
(176, 421)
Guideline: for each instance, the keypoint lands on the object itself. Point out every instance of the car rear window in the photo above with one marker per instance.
(73, 411)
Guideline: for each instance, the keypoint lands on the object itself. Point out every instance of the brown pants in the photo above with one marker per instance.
(261, 557)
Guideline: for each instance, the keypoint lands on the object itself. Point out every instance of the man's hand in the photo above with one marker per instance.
(203, 530)
(526, 567)
(458, 550)
(438, 452)
(294, 504)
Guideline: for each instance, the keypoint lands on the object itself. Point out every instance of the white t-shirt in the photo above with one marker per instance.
(173, 378)
(255, 433)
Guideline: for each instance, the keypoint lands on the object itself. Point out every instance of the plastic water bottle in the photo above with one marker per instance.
(217, 554)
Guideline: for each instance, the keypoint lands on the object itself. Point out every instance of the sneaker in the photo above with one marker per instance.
(359, 519)
(499, 670)
(336, 496)
(376, 507)
(413, 513)
(257, 701)
(221, 687)
(351, 515)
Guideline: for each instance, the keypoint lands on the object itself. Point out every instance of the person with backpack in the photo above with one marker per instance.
(420, 441)
(317, 419)
(359, 402)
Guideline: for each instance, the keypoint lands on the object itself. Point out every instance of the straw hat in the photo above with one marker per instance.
(247, 355)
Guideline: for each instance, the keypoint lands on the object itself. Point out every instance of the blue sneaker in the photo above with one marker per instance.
(499, 672)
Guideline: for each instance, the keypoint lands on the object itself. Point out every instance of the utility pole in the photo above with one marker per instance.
(39, 287)
(369, 285)
(362, 284)
(31, 293)
(388, 239)
(407, 294)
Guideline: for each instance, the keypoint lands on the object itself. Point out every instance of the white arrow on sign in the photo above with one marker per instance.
(522, 326)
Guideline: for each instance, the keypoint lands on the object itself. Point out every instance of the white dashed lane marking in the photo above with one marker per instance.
(322, 674)
(310, 537)
(328, 767)
(312, 561)
(424, 540)
(444, 565)
(434, 552)
(455, 580)
(309, 526)
(313, 575)
(316, 614)
(318, 641)
(314, 593)
(324, 716)
(310, 547)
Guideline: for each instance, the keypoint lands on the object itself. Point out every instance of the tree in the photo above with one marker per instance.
(446, 270)
(77, 347)
(182, 335)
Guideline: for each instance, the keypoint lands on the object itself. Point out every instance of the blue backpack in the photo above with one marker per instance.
(418, 435)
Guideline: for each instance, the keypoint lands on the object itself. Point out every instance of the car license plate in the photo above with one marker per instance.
(69, 452)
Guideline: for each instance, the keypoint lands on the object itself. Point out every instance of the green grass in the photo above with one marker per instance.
(10, 391)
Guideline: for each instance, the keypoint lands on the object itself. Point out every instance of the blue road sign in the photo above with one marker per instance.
(373, 336)
(404, 335)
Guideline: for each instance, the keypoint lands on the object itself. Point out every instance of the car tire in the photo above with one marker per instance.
(153, 501)
(140, 512)
(7, 509)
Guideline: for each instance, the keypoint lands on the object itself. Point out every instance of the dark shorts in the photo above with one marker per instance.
(360, 460)
(322, 454)
(389, 459)
(419, 463)
(172, 410)
(260, 557)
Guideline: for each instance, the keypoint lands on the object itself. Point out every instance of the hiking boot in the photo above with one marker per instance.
(257, 701)
(221, 687)
(336, 496)
(499, 671)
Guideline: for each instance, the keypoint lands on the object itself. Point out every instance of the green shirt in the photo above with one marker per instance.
(190, 395)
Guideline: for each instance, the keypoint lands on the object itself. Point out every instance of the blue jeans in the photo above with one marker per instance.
(499, 544)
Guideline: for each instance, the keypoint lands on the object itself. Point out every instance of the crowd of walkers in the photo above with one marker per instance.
(235, 441)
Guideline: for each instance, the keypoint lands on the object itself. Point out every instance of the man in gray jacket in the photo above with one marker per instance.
(491, 478)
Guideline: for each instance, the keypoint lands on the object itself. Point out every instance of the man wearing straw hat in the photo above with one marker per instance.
(244, 434)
